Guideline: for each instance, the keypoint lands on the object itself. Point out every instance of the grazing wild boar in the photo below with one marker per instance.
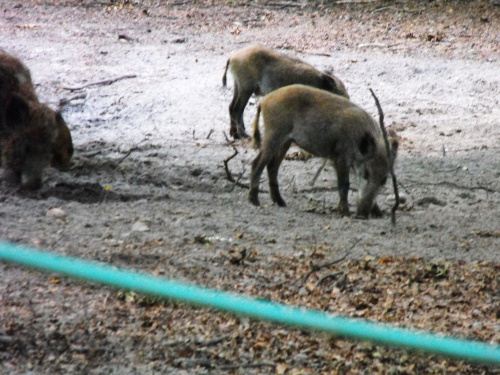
(328, 126)
(32, 135)
(259, 70)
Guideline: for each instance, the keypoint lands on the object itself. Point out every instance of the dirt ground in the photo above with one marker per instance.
(148, 190)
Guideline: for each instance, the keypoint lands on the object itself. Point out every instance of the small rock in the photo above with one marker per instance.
(140, 226)
(179, 40)
(196, 172)
(56, 213)
(303, 292)
(392, 198)
(124, 149)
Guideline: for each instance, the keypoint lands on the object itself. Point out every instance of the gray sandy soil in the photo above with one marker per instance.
(150, 150)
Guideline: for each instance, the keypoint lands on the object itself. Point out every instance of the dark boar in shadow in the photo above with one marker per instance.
(32, 135)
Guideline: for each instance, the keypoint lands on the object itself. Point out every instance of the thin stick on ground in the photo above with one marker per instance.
(229, 175)
(126, 156)
(246, 365)
(104, 82)
(65, 101)
(454, 185)
(320, 169)
(389, 156)
(316, 267)
(331, 276)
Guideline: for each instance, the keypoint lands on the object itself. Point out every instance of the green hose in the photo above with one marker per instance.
(279, 313)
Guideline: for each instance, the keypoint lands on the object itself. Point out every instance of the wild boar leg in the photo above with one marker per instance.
(272, 173)
(342, 169)
(233, 132)
(236, 108)
(257, 169)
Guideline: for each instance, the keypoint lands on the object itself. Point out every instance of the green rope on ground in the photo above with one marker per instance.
(274, 312)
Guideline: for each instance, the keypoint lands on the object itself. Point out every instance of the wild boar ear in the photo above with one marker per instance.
(329, 83)
(366, 144)
(17, 112)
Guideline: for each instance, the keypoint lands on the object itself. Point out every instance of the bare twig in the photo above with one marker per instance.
(382, 9)
(377, 45)
(213, 341)
(314, 52)
(69, 99)
(389, 158)
(284, 4)
(313, 181)
(353, 2)
(210, 133)
(456, 186)
(126, 156)
(226, 166)
(126, 37)
(177, 3)
(316, 267)
(104, 82)
(330, 275)
(229, 142)
(246, 365)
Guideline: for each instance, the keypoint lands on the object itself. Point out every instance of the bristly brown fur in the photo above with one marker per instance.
(258, 70)
(256, 130)
(328, 126)
(32, 135)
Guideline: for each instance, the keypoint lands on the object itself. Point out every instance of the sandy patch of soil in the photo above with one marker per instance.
(149, 168)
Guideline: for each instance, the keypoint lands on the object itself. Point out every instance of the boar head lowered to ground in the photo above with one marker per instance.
(328, 126)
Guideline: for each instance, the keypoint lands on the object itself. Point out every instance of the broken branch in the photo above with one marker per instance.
(226, 166)
(389, 157)
(456, 186)
(246, 365)
(104, 82)
(330, 275)
(69, 99)
(316, 267)
(313, 181)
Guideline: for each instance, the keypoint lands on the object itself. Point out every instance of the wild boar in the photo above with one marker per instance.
(326, 125)
(32, 135)
(259, 70)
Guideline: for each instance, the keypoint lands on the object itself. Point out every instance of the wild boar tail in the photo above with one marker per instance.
(256, 131)
(224, 80)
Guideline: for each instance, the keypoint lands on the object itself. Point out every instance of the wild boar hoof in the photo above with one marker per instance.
(343, 211)
(32, 184)
(252, 198)
(242, 134)
(233, 132)
(376, 211)
(280, 202)
(361, 215)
